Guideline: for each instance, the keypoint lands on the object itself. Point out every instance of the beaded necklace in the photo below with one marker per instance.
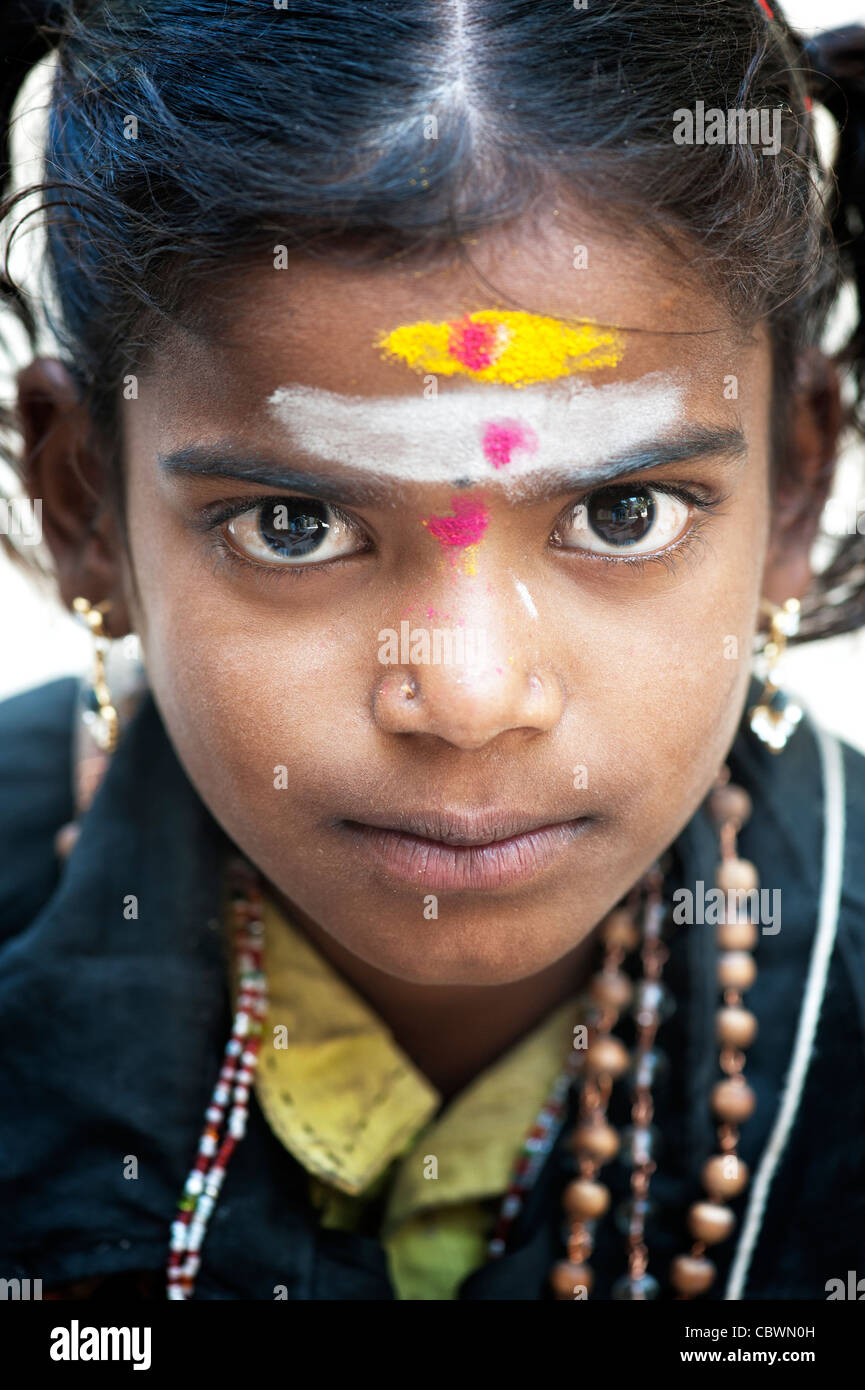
(229, 1105)
(594, 1142)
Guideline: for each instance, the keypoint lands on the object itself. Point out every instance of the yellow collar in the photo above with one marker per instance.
(345, 1100)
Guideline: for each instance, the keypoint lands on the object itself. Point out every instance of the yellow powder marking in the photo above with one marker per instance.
(470, 559)
(504, 346)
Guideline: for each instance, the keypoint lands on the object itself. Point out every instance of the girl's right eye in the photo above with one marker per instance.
(293, 531)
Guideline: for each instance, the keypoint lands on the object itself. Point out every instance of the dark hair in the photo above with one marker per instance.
(307, 122)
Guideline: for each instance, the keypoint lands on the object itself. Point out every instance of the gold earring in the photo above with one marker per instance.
(101, 717)
(775, 716)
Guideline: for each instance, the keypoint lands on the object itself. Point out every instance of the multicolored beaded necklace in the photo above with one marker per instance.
(229, 1105)
(594, 1068)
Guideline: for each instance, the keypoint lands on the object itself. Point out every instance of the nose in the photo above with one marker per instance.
(503, 686)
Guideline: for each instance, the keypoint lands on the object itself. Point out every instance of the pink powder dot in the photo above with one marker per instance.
(465, 527)
(475, 345)
(502, 437)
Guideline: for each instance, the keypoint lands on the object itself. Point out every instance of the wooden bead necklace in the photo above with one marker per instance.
(594, 1142)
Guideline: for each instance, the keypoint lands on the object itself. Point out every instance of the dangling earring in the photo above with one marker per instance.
(774, 718)
(101, 711)
(102, 715)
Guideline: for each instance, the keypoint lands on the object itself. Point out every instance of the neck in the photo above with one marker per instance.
(454, 1032)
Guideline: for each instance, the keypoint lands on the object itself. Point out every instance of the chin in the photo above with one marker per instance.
(463, 952)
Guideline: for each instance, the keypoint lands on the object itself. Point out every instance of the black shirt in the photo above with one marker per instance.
(112, 1032)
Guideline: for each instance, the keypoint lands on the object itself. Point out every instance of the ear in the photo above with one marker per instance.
(65, 469)
(804, 477)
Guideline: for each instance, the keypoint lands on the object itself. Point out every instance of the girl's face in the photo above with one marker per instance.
(453, 638)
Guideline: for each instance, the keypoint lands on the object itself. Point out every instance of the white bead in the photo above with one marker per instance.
(196, 1235)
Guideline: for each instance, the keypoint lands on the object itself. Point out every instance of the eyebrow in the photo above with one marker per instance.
(225, 461)
(359, 488)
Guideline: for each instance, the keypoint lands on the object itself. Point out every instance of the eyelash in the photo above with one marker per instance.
(218, 513)
(703, 501)
(669, 557)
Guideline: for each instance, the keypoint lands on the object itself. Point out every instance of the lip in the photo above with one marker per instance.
(456, 851)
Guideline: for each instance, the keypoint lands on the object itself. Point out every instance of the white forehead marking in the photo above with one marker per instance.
(441, 439)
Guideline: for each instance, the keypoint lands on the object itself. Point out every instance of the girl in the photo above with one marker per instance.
(440, 400)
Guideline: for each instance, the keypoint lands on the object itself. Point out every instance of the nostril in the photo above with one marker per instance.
(468, 710)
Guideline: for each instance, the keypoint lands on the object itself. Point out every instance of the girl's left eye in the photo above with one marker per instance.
(627, 518)
(292, 531)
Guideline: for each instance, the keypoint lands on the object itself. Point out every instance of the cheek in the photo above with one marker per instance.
(676, 675)
(242, 687)
(251, 714)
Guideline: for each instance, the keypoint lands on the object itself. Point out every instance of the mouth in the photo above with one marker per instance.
(453, 851)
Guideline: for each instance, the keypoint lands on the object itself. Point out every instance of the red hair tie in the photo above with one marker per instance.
(770, 14)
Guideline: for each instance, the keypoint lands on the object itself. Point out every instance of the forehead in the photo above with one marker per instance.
(318, 324)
